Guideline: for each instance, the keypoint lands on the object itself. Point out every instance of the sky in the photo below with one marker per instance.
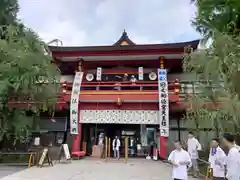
(101, 22)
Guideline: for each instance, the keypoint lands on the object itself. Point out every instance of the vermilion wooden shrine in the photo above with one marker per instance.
(119, 103)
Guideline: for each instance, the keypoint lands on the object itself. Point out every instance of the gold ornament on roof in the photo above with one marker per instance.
(124, 43)
(161, 62)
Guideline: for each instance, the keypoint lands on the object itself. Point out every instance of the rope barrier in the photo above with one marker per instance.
(209, 171)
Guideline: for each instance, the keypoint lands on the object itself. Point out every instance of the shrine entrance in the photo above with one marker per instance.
(91, 134)
(140, 126)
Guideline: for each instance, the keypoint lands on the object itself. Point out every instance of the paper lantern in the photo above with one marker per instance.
(119, 102)
(177, 86)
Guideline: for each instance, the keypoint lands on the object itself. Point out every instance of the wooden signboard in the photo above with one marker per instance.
(64, 152)
(45, 156)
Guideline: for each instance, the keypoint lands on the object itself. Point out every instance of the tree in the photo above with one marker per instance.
(217, 67)
(23, 64)
(8, 12)
(217, 16)
(218, 73)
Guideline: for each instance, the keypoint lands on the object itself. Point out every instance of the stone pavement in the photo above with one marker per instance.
(95, 169)
(7, 170)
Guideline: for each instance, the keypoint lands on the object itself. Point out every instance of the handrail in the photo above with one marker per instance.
(114, 82)
(202, 160)
(203, 170)
(124, 82)
(136, 92)
(120, 85)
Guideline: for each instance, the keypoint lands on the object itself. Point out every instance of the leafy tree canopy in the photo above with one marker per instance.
(220, 16)
(218, 71)
(217, 67)
(23, 63)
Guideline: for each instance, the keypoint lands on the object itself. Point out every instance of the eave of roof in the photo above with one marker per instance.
(180, 45)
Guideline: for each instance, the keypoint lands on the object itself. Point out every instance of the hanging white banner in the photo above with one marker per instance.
(74, 103)
(140, 73)
(99, 74)
(163, 102)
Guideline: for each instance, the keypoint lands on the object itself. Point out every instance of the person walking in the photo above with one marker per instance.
(233, 158)
(193, 147)
(181, 161)
(116, 145)
(216, 159)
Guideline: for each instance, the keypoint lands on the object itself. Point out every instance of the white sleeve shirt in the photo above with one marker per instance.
(117, 145)
(217, 162)
(180, 172)
(233, 164)
(193, 147)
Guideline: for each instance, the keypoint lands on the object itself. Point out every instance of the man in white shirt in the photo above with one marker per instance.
(180, 160)
(216, 159)
(193, 147)
(116, 144)
(233, 158)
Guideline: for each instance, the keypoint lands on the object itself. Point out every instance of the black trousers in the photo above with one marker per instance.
(177, 179)
(218, 178)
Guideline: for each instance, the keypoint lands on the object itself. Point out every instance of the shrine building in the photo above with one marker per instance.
(119, 93)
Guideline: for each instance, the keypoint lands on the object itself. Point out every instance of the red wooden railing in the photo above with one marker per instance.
(114, 85)
(171, 85)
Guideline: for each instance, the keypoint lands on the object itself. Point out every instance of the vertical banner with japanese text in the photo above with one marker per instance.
(140, 73)
(99, 74)
(163, 102)
(74, 103)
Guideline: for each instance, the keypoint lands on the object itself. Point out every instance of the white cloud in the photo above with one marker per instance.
(96, 22)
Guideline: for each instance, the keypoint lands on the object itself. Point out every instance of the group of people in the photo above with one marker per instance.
(222, 166)
(125, 78)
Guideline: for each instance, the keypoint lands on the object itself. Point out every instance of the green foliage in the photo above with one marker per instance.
(218, 72)
(11, 158)
(23, 64)
(218, 66)
(217, 16)
(8, 12)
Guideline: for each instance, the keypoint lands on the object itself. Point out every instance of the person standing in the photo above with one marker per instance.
(193, 147)
(180, 160)
(216, 159)
(116, 145)
(233, 158)
(101, 144)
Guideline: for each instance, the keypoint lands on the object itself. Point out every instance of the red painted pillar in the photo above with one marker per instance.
(77, 139)
(163, 147)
